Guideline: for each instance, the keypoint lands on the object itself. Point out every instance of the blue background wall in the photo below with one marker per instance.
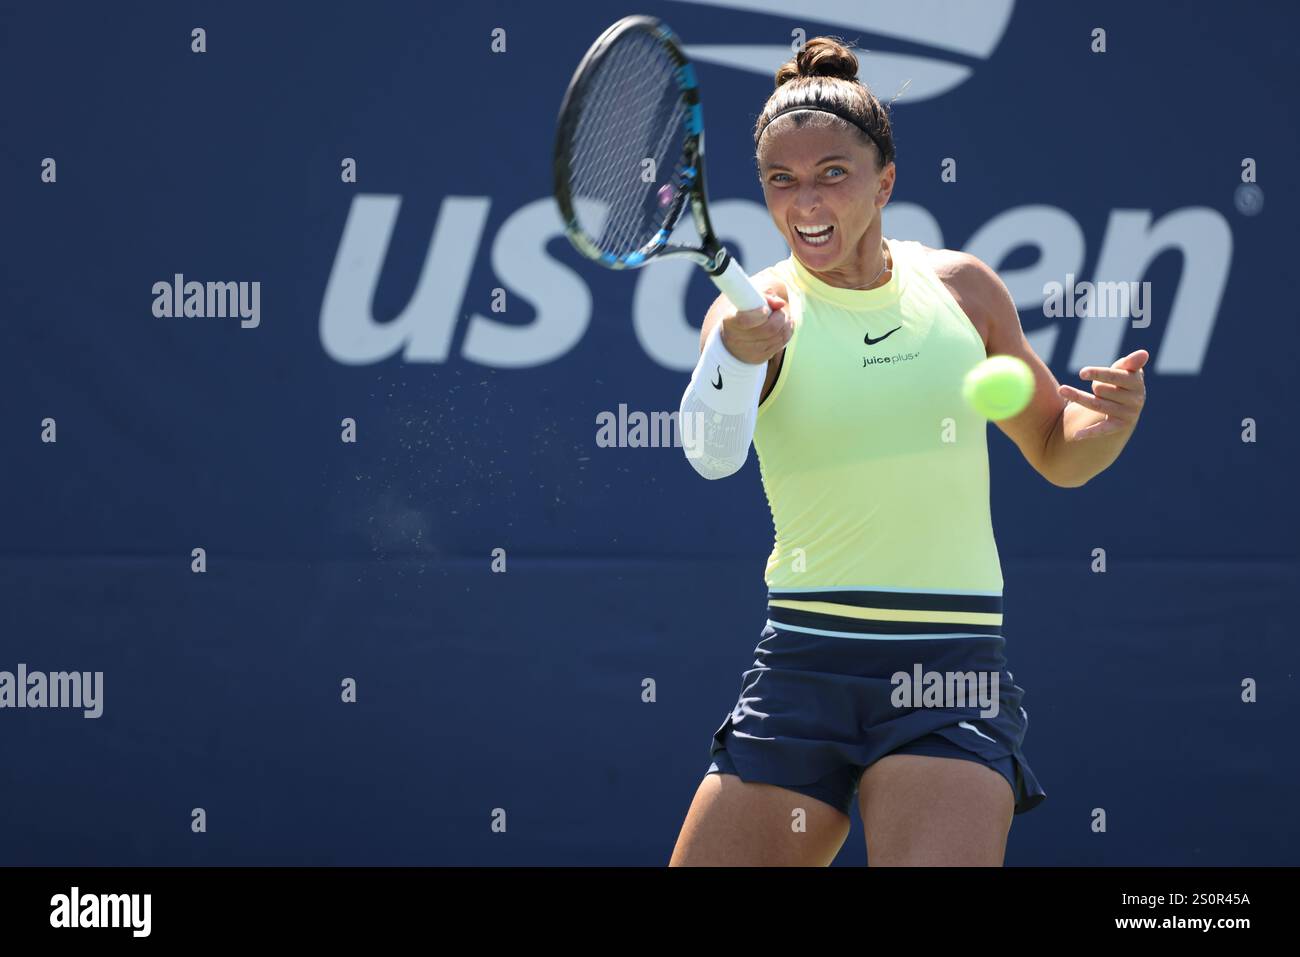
(372, 560)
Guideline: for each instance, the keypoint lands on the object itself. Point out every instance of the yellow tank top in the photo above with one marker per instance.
(875, 469)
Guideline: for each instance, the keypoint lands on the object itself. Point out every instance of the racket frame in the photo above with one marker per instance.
(710, 255)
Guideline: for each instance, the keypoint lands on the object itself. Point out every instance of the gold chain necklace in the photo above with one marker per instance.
(884, 261)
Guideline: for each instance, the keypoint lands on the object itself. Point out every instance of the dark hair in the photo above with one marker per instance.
(824, 75)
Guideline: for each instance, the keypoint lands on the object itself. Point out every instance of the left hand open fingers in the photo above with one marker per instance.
(1119, 377)
(1096, 403)
(1118, 393)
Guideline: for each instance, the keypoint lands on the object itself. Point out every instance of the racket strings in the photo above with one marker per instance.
(633, 112)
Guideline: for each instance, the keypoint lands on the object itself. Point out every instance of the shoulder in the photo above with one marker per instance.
(979, 290)
(967, 274)
(770, 280)
(773, 279)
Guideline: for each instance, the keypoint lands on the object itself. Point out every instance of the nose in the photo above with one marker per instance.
(807, 201)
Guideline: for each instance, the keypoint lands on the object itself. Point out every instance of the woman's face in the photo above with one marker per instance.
(826, 176)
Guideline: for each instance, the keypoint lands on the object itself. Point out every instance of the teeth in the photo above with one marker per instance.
(814, 235)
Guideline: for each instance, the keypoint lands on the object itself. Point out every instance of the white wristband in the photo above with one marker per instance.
(719, 409)
(733, 386)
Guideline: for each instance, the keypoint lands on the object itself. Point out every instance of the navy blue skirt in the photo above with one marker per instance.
(815, 711)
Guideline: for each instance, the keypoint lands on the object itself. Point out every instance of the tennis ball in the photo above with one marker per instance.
(999, 387)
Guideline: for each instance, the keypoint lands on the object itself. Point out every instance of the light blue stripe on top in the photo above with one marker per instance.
(873, 637)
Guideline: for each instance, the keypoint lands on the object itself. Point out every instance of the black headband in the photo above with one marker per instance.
(842, 113)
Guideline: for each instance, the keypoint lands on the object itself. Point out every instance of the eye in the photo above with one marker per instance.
(777, 177)
(831, 169)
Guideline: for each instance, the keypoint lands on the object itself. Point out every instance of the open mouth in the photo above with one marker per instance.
(816, 235)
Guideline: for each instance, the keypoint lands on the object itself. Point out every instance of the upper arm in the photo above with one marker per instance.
(985, 299)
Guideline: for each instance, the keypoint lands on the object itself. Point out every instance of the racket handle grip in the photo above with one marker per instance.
(739, 288)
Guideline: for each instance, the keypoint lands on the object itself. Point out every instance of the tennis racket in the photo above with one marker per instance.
(629, 154)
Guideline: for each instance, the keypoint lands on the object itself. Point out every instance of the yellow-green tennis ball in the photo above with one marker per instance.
(999, 387)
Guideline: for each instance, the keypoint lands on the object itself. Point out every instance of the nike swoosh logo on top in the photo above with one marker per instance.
(718, 384)
(871, 342)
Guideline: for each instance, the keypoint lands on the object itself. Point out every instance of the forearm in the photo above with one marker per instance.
(718, 410)
(1070, 462)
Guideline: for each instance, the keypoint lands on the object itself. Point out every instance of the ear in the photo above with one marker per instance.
(886, 186)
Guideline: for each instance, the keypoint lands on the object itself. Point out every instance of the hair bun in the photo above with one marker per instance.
(820, 56)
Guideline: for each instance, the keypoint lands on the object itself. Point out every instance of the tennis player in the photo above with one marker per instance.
(876, 472)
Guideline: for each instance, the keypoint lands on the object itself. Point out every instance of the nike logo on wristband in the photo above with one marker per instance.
(871, 342)
(718, 384)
